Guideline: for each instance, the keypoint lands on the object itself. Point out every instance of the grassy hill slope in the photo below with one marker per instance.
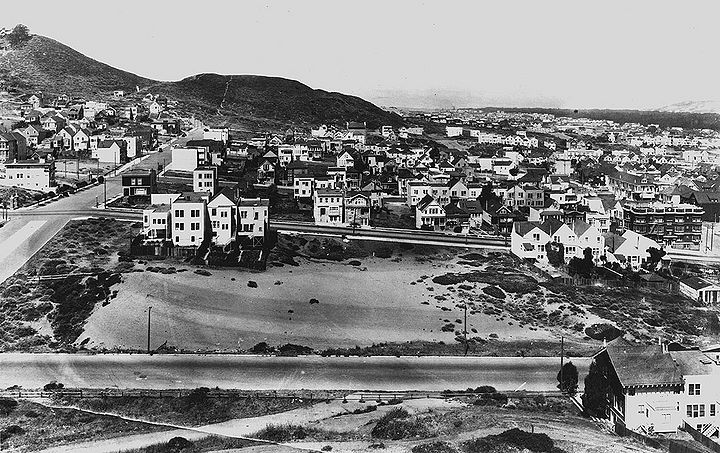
(43, 64)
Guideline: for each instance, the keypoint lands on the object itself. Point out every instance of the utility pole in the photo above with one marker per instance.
(105, 191)
(148, 335)
(562, 362)
(465, 330)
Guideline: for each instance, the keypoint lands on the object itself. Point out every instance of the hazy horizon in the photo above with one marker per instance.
(555, 54)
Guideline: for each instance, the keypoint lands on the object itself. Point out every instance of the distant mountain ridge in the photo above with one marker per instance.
(693, 107)
(43, 64)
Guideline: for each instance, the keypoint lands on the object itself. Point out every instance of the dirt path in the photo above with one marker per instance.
(239, 428)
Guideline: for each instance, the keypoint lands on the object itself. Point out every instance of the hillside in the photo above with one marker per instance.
(693, 107)
(43, 64)
(274, 99)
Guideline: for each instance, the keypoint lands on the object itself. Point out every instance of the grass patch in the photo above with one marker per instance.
(193, 410)
(207, 444)
(399, 424)
(31, 426)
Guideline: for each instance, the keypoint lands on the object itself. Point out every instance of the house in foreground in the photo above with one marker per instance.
(653, 390)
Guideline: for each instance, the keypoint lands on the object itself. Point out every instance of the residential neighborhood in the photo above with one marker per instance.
(315, 226)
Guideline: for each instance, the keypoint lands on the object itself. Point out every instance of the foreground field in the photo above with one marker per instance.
(26, 426)
(322, 295)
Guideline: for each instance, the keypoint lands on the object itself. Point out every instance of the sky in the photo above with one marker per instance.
(569, 54)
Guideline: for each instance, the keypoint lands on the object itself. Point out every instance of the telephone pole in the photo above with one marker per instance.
(465, 331)
(148, 335)
(562, 363)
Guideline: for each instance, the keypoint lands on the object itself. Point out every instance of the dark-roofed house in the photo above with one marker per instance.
(429, 214)
(8, 147)
(710, 202)
(701, 290)
(645, 386)
(139, 182)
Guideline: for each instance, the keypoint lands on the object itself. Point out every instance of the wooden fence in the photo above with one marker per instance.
(700, 437)
(347, 395)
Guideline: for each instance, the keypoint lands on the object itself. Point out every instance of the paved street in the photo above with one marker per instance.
(292, 373)
(29, 229)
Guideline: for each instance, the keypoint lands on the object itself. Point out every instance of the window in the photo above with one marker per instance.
(693, 389)
(243, 214)
(223, 213)
(194, 213)
(192, 238)
(256, 216)
(179, 213)
(695, 410)
(712, 410)
(213, 212)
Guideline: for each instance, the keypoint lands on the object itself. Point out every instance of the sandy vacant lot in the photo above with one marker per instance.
(358, 305)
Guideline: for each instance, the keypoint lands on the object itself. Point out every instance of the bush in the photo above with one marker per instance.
(53, 386)
(314, 301)
(179, 444)
(434, 447)
(7, 405)
(252, 284)
(397, 424)
(515, 437)
(282, 433)
(202, 272)
(494, 291)
(603, 331)
(485, 389)
(262, 348)
(12, 430)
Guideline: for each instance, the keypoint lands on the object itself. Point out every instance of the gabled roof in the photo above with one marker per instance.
(579, 227)
(523, 228)
(697, 283)
(693, 362)
(224, 193)
(640, 365)
(425, 202)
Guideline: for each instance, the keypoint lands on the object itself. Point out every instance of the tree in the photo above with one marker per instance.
(583, 267)
(654, 258)
(596, 389)
(555, 253)
(19, 35)
(568, 379)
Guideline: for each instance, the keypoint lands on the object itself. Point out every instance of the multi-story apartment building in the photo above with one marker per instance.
(523, 195)
(222, 213)
(328, 207)
(205, 179)
(157, 224)
(8, 147)
(677, 226)
(632, 186)
(30, 174)
(252, 220)
(190, 222)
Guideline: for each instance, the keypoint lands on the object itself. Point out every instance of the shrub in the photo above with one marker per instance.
(179, 444)
(434, 447)
(314, 301)
(53, 386)
(485, 389)
(494, 291)
(282, 433)
(252, 284)
(397, 424)
(203, 272)
(7, 405)
(12, 430)
(262, 348)
(515, 437)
